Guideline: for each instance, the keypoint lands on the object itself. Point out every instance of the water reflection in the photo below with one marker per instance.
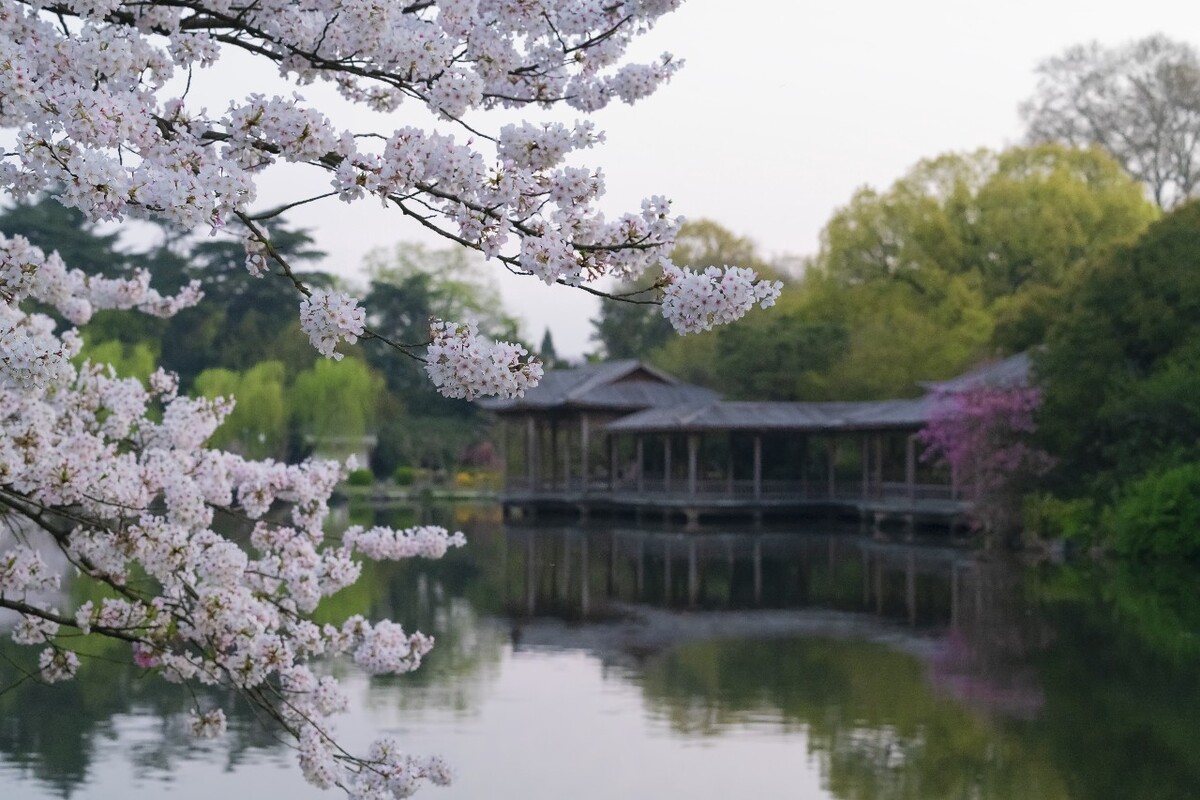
(896, 670)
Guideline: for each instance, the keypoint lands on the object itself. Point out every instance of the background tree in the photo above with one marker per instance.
(963, 256)
(1139, 101)
(412, 284)
(1121, 368)
(335, 400)
(247, 319)
(258, 425)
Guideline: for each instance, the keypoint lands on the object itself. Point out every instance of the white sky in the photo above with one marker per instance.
(784, 109)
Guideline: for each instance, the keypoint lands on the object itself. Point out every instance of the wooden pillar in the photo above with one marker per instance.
(831, 449)
(866, 466)
(729, 466)
(757, 466)
(612, 462)
(879, 465)
(503, 437)
(531, 452)
(693, 461)
(641, 472)
(667, 463)
(554, 454)
(566, 456)
(804, 467)
(910, 467)
(584, 451)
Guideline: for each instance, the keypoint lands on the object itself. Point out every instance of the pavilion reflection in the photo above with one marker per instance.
(582, 573)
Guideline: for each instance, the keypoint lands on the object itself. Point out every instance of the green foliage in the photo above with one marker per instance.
(1121, 369)
(404, 475)
(136, 360)
(1049, 517)
(432, 443)
(258, 424)
(243, 319)
(1158, 515)
(360, 477)
(335, 399)
(965, 255)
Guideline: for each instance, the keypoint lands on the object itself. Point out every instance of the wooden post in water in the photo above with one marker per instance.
(584, 576)
(910, 588)
(758, 575)
(693, 574)
(530, 576)
(667, 572)
(641, 567)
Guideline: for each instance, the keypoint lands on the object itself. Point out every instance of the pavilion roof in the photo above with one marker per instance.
(627, 385)
(778, 416)
(1009, 372)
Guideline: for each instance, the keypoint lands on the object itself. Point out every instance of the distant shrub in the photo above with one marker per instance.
(1049, 517)
(405, 475)
(1158, 515)
(361, 477)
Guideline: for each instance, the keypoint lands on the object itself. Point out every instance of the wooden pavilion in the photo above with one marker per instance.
(625, 437)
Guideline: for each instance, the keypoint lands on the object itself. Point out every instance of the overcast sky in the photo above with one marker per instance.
(783, 109)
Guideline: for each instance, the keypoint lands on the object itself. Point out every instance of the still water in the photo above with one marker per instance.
(608, 662)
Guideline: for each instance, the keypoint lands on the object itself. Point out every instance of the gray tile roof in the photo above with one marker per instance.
(765, 416)
(618, 385)
(1011, 371)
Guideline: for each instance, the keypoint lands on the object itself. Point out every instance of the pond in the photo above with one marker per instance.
(608, 661)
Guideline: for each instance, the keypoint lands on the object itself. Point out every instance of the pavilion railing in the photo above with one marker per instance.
(812, 489)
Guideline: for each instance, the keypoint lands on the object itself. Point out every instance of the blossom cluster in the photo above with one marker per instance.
(463, 364)
(329, 318)
(696, 301)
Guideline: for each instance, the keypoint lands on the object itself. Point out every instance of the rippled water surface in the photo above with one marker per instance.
(606, 662)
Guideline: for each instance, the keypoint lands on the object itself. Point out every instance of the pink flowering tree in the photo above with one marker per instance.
(982, 434)
(114, 475)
